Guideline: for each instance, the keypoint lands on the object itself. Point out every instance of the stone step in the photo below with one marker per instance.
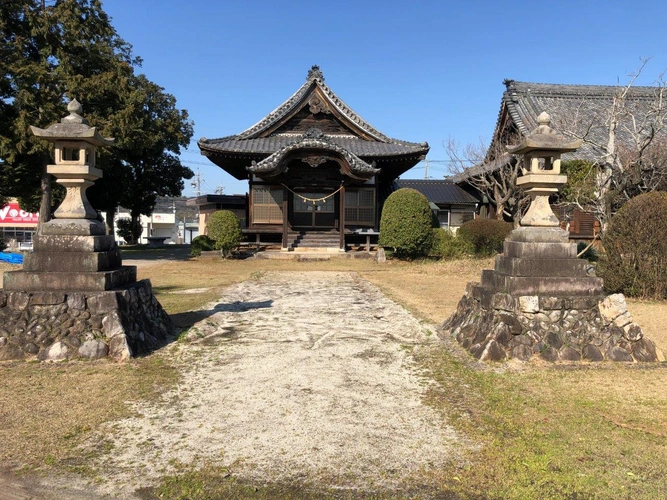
(315, 244)
(66, 243)
(521, 249)
(557, 286)
(71, 262)
(25, 281)
(313, 250)
(514, 266)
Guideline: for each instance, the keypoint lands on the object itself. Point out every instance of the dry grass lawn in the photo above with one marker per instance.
(546, 430)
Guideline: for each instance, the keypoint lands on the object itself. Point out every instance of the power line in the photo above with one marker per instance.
(186, 162)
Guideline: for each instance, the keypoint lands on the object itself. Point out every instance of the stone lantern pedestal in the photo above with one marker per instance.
(74, 298)
(539, 299)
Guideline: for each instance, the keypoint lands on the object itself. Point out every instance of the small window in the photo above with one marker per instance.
(267, 205)
(360, 206)
(70, 154)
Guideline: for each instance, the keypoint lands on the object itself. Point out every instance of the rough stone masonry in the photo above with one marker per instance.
(64, 325)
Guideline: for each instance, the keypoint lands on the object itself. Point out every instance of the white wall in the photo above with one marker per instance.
(158, 224)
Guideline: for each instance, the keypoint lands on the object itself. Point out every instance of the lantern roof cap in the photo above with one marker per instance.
(73, 127)
(544, 138)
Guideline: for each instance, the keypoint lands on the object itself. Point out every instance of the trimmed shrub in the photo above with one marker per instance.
(485, 235)
(225, 229)
(201, 243)
(447, 245)
(636, 248)
(405, 225)
(128, 231)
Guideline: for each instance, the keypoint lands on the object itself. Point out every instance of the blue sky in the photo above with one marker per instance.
(416, 70)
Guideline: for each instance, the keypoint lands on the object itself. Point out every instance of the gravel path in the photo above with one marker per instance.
(293, 377)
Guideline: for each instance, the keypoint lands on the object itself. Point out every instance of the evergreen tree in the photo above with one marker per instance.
(69, 49)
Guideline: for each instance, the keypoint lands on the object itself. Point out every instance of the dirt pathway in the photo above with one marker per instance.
(293, 377)
(299, 377)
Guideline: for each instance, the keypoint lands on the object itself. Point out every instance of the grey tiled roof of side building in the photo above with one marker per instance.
(439, 191)
(573, 108)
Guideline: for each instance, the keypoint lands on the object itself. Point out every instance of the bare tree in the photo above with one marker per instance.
(625, 138)
(491, 171)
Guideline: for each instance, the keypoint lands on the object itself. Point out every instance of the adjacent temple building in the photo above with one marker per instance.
(316, 169)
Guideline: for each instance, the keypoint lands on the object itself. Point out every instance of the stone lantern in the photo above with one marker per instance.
(72, 252)
(75, 143)
(74, 297)
(539, 300)
(541, 151)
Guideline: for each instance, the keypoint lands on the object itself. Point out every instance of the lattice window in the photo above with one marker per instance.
(360, 206)
(267, 205)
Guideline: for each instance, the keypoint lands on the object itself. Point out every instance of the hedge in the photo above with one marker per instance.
(485, 235)
(635, 245)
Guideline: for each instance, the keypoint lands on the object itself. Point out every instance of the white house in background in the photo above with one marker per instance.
(172, 218)
(161, 224)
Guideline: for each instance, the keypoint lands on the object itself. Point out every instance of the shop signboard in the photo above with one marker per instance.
(12, 214)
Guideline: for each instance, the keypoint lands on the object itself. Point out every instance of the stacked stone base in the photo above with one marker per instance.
(539, 301)
(494, 326)
(71, 263)
(52, 325)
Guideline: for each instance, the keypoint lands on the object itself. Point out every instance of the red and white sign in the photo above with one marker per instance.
(12, 214)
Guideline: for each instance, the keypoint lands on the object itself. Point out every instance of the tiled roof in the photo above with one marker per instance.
(574, 108)
(439, 191)
(314, 79)
(269, 145)
(261, 138)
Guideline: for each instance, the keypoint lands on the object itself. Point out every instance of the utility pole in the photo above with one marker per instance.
(196, 183)
(425, 168)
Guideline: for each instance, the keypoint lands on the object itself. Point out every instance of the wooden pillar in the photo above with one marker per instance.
(285, 218)
(377, 205)
(341, 224)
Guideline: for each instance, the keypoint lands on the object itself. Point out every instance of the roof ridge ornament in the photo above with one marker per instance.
(315, 73)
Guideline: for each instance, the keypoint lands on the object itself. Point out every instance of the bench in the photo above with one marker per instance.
(368, 233)
(156, 241)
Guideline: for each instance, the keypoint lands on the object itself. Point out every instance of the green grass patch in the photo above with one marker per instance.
(216, 483)
(549, 432)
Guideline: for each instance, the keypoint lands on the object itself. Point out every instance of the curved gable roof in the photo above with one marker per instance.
(314, 85)
(272, 133)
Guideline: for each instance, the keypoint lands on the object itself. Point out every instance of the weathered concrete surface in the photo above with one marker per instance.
(304, 377)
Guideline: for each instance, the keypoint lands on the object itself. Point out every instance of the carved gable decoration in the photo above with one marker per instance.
(317, 105)
(314, 161)
(323, 120)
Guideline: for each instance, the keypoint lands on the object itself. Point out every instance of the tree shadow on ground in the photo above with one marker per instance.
(144, 252)
(186, 319)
